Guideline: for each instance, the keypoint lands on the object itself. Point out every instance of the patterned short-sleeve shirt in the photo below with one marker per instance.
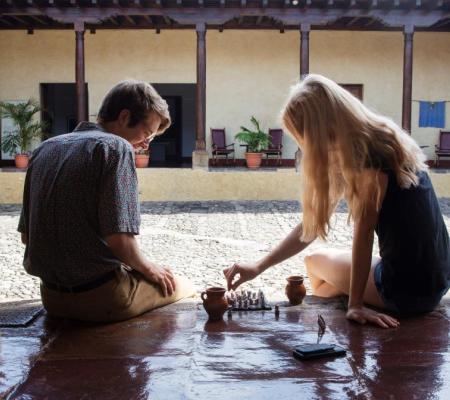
(79, 188)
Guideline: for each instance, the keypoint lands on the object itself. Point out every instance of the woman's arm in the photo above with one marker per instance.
(290, 246)
(363, 237)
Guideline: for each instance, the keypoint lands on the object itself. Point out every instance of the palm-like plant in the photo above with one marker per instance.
(256, 140)
(25, 129)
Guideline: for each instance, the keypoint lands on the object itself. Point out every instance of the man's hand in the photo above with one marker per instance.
(162, 276)
(246, 273)
(125, 247)
(362, 315)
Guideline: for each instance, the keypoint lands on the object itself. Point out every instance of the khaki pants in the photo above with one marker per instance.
(125, 296)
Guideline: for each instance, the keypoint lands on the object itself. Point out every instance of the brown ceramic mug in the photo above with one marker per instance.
(295, 290)
(215, 303)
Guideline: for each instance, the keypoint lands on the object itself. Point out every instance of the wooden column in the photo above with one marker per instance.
(304, 49)
(200, 157)
(79, 72)
(304, 70)
(201, 87)
(407, 77)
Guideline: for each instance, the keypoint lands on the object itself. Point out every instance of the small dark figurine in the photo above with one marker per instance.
(277, 312)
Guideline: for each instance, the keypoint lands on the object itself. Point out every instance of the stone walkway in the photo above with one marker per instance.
(197, 239)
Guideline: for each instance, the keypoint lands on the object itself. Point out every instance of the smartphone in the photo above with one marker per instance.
(313, 351)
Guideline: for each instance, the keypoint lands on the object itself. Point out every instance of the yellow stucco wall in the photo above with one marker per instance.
(163, 184)
(248, 72)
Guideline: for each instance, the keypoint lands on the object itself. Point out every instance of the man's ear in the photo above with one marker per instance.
(124, 118)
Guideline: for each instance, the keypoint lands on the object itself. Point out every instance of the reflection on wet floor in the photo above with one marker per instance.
(173, 353)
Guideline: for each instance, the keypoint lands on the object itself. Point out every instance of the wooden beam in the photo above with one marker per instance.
(371, 22)
(113, 20)
(304, 49)
(4, 21)
(79, 72)
(130, 19)
(19, 20)
(38, 19)
(200, 143)
(353, 21)
(442, 23)
(408, 33)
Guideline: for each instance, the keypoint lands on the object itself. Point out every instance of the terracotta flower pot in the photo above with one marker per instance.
(253, 160)
(295, 290)
(215, 303)
(142, 160)
(21, 161)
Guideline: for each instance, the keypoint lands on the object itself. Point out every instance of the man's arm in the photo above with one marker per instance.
(125, 247)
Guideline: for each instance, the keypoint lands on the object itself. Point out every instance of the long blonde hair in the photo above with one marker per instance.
(340, 138)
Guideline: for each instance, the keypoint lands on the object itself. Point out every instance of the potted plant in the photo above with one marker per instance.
(18, 140)
(141, 157)
(256, 140)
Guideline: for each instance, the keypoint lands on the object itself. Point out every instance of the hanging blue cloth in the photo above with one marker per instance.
(432, 114)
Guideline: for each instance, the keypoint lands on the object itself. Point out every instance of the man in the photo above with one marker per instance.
(80, 214)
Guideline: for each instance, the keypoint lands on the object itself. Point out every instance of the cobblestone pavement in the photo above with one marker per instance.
(197, 239)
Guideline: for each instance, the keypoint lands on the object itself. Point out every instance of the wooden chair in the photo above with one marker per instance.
(275, 146)
(443, 148)
(220, 147)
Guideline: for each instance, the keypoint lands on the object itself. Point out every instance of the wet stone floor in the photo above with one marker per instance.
(174, 353)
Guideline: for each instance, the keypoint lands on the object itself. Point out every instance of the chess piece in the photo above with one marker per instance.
(277, 311)
(215, 303)
(295, 290)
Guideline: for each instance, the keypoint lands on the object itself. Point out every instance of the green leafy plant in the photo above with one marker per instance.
(25, 129)
(255, 139)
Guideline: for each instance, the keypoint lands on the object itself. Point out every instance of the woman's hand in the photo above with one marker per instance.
(362, 315)
(245, 271)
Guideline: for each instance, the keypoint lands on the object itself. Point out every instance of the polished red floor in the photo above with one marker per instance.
(173, 353)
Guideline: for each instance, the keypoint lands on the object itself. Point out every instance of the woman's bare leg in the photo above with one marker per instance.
(329, 273)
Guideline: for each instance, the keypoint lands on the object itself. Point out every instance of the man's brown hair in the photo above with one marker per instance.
(140, 98)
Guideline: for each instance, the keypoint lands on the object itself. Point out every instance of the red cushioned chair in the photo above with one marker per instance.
(443, 148)
(220, 147)
(275, 146)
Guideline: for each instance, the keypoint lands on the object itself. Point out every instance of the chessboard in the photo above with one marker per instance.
(247, 300)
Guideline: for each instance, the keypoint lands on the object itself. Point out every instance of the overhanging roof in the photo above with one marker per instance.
(427, 15)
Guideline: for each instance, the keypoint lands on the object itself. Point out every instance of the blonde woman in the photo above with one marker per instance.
(353, 153)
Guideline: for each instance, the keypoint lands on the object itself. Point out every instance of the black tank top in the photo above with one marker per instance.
(413, 241)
